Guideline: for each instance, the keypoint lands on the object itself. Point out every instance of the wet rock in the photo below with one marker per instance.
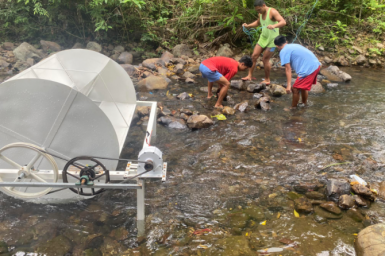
(331, 207)
(4, 64)
(327, 60)
(190, 81)
(318, 211)
(333, 73)
(237, 84)
(317, 88)
(315, 195)
(233, 246)
(25, 51)
(179, 69)
(94, 46)
(153, 83)
(253, 88)
(199, 122)
(336, 188)
(341, 61)
(130, 69)
(256, 240)
(167, 56)
(358, 49)
(153, 63)
(225, 51)
(78, 46)
(355, 215)
(172, 122)
(257, 95)
(228, 111)
(362, 190)
(111, 247)
(186, 111)
(119, 234)
(361, 60)
(277, 90)
(182, 49)
(332, 85)
(8, 46)
(206, 89)
(303, 205)
(293, 195)
(371, 241)
(184, 116)
(238, 220)
(59, 246)
(183, 96)
(93, 241)
(188, 74)
(3, 247)
(306, 187)
(346, 202)
(263, 103)
(125, 58)
(143, 111)
(360, 201)
(193, 69)
(92, 252)
(372, 62)
(256, 213)
(242, 107)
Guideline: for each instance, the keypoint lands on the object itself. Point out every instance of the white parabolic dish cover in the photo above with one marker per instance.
(75, 102)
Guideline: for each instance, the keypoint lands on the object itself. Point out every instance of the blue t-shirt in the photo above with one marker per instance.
(303, 61)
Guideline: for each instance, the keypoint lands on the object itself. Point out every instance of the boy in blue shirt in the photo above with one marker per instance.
(304, 63)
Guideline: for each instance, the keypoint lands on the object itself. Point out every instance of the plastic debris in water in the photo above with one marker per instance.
(220, 117)
(263, 223)
(356, 178)
(273, 249)
(151, 93)
(296, 214)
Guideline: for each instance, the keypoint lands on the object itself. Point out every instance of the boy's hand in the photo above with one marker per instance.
(288, 89)
(245, 25)
(271, 27)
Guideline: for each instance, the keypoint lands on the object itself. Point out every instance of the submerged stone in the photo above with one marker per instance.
(331, 207)
(355, 215)
(293, 195)
(59, 245)
(3, 247)
(315, 195)
(256, 213)
(233, 246)
(318, 211)
(360, 201)
(303, 205)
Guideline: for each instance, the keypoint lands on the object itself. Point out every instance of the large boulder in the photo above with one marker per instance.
(225, 51)
(333, 73)
(153, 63)
(153, 83)
(172, 122)
(199, 121)
(94, 46)
(125, 58)
(182, 49)
(130, 69)
(371, 241)
(25, 51)
(50, 46)
(317, 88)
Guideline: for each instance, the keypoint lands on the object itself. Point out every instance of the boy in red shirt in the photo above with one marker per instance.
(221, 70)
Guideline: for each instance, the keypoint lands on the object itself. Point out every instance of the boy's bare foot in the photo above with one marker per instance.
(210, 96)
(248, 78)
(266, 81)
(218, 106)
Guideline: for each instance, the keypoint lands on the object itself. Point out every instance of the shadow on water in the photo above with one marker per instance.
(228, 188)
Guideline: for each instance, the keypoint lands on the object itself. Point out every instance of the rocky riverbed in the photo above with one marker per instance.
(253, 184)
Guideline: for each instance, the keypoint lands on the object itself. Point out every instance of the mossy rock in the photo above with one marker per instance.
(58, 246)
(92, 252)
(238, 220)
(325, 214)
(3, 247)
(256, 213)
(293, 195)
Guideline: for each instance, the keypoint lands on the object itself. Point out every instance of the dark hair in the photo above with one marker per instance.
(247, 61)
(259, 3)
(280, 40)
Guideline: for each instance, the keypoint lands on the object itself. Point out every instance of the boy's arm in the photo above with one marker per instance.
(288, 77)
(252, 25)
(277, 17)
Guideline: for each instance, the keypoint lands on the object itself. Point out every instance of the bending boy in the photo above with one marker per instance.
(271, 21)
(305, 64)
(221, 70)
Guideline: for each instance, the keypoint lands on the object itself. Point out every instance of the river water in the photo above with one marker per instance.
(233, 179)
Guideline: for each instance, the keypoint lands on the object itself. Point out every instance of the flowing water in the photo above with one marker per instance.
(233, 179)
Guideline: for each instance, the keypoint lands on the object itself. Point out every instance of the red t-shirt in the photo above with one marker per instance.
(228, 67)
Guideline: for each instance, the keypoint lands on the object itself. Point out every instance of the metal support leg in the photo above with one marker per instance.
(141, 208)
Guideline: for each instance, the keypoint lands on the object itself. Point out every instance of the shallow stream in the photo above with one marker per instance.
(233, 179)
